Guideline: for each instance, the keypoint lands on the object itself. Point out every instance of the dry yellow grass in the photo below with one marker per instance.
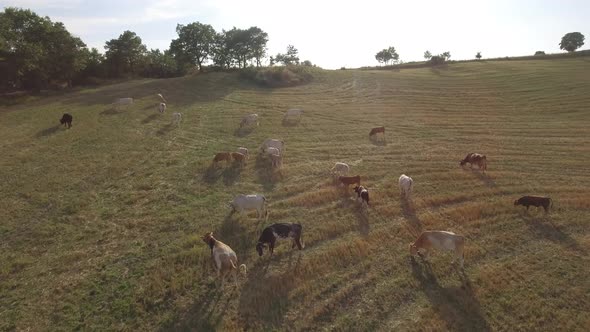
(101, 223)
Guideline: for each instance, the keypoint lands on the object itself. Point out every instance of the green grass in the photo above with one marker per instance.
(101, 224)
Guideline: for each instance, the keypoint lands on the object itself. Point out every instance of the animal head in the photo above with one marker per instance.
(413, 249)
(462, 162)
(259, 248)
(516, 202)
(208, 237)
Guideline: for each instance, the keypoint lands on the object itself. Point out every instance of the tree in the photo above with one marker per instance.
(540, 53)
(125, 54)
(307, 63)
(571, 41)
(194, 44)
(291, 57)
(159, 64)
(446, 55)
(35, 50)
(427, 55)
(386, 55)
(478, 55)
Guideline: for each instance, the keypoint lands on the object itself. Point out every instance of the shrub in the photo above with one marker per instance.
(342, 68)
(540, 53)
(437, 60)
(281, 76)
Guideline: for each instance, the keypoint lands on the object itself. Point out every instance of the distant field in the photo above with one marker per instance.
(101, 224)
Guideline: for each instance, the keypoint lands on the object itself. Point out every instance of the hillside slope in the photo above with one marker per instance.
(102, 224)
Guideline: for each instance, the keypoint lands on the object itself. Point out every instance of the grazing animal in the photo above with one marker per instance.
(376, 131)
(66, 120)
(475, 159)
(249, 202)
(276, 160)
(249, 120)
(236, 156)
(279, 231)
(176, 118)
(222, 156)
(123, 101)
(273, 143)
(161, 97)
(348, 180)
(162, 107)
(243, 151)
(294, 112)
(224, 258)
(405, 185)
(535, 201)
(340, 168)
(441, 240)
(362, 193)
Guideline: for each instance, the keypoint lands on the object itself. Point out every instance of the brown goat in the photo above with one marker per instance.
(222, 156)
(475, 159)
(348, 180)
(377, 130)
(239, 157)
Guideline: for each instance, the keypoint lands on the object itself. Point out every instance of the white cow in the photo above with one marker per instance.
(249, 202)
(273, 143)
(292, 113)
(122, 102)
(340, 168)
(441, 240)
(243, 151)
(249, 120)
(405, 185)
(162, 107)
(176, 118)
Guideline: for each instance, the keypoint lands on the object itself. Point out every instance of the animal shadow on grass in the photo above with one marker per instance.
(409, 213)
(205, 313)
(264, 299)
(242, 132)
(231, 174)
(542, 226)
(212, 174)
(456, 305)
(290, 123)
(165, 129)
(150, 118)
(378, 140)
(267, 176)
(489, 182)
(47, 132)
(362, 216)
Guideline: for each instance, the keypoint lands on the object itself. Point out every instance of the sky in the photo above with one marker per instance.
(334, 34)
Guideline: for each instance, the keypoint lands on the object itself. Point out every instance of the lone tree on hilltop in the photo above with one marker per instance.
(478, 55)
(571, 41)
(427, 55)
(289, 58)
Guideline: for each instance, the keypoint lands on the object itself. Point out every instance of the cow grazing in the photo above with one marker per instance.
(162, 107)
(222, 156)
(340, 168)
(243, 151)
(376, 131)
(123, 101)
(238, 157)
(273, 143)
(249, 202)
(276, 160)
(475, 159)
(176, 118)
(348, 180)
(66, 120)
(447, 241)
(293, 113)
(405, 185)
(362, 193)
(535, 201)
(280, 231)
(224, 258)
(249, 120)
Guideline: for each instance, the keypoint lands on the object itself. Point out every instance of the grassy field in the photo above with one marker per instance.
(101, 224)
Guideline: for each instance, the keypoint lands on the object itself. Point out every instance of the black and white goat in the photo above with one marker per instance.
(362, 193)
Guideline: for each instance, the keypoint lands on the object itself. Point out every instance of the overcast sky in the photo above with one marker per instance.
(333, 34)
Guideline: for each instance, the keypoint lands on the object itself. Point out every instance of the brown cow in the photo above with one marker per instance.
(535, 201)
(221, 156)
(239, 157)
(348, 180)
(475, 159)
(377, 130)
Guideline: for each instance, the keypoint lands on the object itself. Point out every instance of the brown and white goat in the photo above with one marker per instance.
(224, 258)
